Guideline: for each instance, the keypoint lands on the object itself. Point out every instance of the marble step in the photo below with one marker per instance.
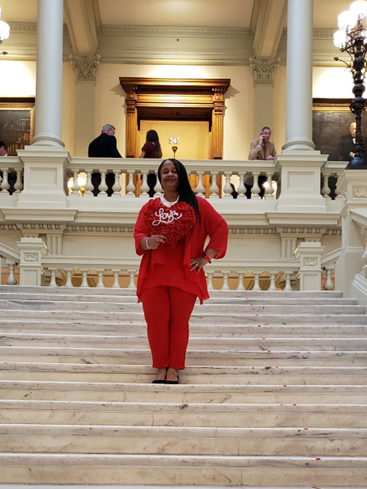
(182, 470)
(195, 357)
(182, 393)
(220, 299)
(96, 291)
(217, 331)
(133, 306)
(204, 317)
(141, 341)
(170, 440)
(291, 375)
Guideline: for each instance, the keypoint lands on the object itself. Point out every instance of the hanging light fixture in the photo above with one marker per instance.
(351, 38)
(4, 30)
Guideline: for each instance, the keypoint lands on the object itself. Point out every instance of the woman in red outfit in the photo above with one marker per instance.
(170, 233)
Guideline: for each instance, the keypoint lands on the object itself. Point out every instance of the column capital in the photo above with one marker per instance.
(263, 70)
(86, 67)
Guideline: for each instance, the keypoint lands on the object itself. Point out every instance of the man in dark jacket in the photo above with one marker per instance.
(347, 144)
(104, 146)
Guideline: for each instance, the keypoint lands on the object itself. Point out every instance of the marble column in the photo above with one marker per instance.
(299, 76)
(49, 73)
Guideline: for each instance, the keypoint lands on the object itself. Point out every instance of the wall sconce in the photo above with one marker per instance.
(4, 30)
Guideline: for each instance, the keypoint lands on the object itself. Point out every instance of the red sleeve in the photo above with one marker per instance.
(140, 231)
(213, 225)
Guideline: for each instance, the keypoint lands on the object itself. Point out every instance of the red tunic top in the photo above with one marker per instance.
(170, 265)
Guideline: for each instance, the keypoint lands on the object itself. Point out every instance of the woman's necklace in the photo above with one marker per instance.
(168, 204)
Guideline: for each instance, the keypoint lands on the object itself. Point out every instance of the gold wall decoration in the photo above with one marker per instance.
(185, 100)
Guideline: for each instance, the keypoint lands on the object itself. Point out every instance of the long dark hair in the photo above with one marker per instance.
(152, 137)
(185, 191)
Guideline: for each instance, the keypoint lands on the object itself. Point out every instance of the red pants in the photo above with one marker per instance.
(167, 311)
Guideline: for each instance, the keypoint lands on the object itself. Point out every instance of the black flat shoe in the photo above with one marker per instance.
(172, 381)
(159, 381)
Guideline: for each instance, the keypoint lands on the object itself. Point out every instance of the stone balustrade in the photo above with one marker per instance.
(221, 174)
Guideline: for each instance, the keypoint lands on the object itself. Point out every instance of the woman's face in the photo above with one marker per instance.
(169, 177)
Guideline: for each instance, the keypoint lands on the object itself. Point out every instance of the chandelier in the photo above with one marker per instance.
(4, 30)
(351, 38)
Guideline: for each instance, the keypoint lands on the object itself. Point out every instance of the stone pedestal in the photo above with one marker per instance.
(353, 188)
(31, 252)
(300, 181)
(45, 182)
(309, 273)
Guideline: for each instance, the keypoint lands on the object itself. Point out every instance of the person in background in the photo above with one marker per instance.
(151, 149)
(260, 149)
(12, 176)
(170, 233)
(104, 146)
(347, 144)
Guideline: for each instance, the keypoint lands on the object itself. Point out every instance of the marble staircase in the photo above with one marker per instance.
(274, 394)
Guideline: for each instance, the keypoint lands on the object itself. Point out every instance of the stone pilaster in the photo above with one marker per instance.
(86, 72)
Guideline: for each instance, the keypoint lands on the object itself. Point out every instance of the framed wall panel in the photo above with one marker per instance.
(330, 121)
(16, 123)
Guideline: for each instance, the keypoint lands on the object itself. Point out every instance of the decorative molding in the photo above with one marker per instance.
(8, 227)
(86, 67)
(255, 231)
(158, 31)
(264, 70)
(360, 192)
(301, 231)
(310, 262)
(86, 229)
(30, 257)
(37, 226)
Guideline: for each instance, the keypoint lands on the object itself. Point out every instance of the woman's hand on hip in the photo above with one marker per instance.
(198, 263)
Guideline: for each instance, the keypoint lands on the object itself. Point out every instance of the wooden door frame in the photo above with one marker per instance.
(174, 99)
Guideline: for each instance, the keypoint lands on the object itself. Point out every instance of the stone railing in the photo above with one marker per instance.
(359, 284)
(11, 259)
(212, 178)
(221, 275)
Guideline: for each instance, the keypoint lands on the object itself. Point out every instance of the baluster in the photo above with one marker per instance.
(53, 277)
(88, 184)
(210, 280)
(157, 188)
(328, 283)
(116, 274)
(100, 272)
(227, 187)
(272, 281)
(18, 184)
(225, 281)
(130, 188)
(325, 191)
(269, 189)
(5, 184)
(75, 187)
(132, 280)
(102, 187)
(116, 186)
(288, 287)
(214, 189)
(144, 186)
(85, 278)
(256, 281)
(68, 283)
(255, 188)
(240, 281)
(11, 280)
(337, 191)
(241, 187)
(200, 189)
